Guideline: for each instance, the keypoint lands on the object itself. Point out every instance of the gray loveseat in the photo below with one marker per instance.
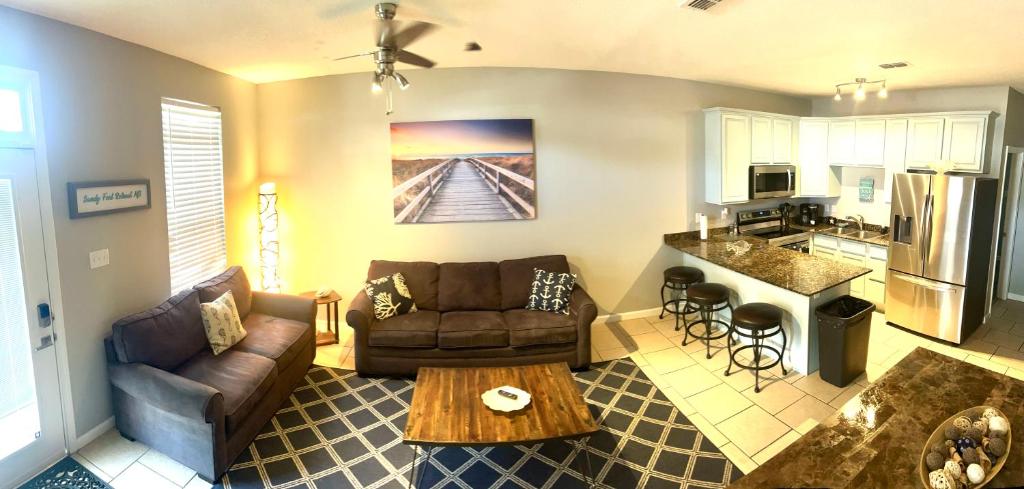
(469, 315)
(171, 393)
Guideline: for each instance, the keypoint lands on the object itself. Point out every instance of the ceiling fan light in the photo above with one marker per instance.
(378, 85)
(402, 82)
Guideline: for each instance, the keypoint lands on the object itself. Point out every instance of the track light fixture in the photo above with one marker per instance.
(860, 93)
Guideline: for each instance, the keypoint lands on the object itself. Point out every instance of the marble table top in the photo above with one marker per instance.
(875, 440)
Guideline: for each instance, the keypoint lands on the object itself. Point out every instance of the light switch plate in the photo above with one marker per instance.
(99, 258)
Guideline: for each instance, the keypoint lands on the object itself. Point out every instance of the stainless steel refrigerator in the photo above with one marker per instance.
(939, 253)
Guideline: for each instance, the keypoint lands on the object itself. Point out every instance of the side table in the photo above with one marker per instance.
(331, 336)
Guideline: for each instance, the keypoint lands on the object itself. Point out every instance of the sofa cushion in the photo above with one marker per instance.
(550, 291)
(275, 338)
(222, 323)
(390, 296)
(517, 275)
(469, 287)
(529, 328)
(232, 279)
(164, 336)
(243, 378)
(413, 330)
(420, 277)
(472, 329)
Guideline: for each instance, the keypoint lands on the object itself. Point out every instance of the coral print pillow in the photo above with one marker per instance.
(390, 296)
(550, 291)
(222, 322)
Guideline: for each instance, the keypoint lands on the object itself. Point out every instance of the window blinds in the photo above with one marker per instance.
(194, 178)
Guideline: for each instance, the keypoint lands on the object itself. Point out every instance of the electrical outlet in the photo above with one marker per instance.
(99, 258)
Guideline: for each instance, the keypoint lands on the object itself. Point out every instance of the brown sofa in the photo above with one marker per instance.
(470, 314)
(172, 393)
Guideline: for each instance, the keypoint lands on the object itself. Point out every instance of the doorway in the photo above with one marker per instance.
(32, 410)
(1010, 210)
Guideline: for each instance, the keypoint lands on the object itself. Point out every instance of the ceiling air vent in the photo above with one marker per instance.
(889, 66)
(702, 4)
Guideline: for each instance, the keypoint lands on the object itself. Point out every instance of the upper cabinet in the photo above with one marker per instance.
(727, 152)
(771, 140)
(782, 141)
(924, 141)
(841, 142)
(760, 140)
(895, 154)
(964, 142)
(869, 143)
(817, 178)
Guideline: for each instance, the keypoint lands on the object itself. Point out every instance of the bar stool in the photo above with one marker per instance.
(757, 321)
(707, 299)
(677, 280)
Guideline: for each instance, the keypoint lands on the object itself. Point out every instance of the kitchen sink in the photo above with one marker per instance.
(852, 232)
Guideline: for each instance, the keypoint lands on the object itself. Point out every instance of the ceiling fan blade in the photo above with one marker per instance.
(385, 33)
(354, 56)
(410, 34)
(414, 59)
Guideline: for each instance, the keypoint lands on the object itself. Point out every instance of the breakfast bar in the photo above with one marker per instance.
(759, 272)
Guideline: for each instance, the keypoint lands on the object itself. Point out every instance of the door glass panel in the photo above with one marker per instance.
(19, 416)
(10, 111)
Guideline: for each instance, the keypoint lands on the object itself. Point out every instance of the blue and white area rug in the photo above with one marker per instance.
(344, 431)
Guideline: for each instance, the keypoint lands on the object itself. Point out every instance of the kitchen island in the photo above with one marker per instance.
(759, 272)
(876, 438)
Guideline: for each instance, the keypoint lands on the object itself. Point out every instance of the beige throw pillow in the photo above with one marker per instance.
(222, 322)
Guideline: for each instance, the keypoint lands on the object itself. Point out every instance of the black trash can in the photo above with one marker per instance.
(844, 327)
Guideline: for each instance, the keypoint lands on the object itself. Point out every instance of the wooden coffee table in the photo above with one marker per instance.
(447, 410)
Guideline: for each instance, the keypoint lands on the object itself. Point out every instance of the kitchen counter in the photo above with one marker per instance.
(788, 269)
(882, 240)
(876, 439)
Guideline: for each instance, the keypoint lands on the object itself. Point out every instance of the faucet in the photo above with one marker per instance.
(859, 219)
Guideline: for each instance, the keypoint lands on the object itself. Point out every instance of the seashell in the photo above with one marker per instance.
(975, 473)
(983, 460)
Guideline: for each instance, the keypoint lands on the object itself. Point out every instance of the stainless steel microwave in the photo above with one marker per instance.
(772, 181)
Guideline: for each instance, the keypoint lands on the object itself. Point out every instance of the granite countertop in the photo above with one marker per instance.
(876, 439)
(788, 269)
(825, 229)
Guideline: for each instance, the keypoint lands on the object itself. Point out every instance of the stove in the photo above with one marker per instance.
(767, 224)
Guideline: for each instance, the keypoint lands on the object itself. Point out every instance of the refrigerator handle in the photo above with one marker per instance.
(926, 227)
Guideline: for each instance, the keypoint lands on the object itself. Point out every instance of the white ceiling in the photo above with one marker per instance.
(794, 46)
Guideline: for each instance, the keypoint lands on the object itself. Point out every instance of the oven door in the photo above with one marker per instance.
(772, 181)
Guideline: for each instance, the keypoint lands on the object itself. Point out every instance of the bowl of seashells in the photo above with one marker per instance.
(967, 450)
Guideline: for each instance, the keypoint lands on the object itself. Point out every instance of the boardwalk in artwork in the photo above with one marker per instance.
(465, 196)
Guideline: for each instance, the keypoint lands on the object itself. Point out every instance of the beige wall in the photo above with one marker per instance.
(101, 105)
(1015, 137)
(620, 162)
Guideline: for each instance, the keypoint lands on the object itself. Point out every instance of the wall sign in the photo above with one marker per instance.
(87, 199)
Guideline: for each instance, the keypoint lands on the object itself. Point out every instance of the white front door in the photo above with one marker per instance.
(31, 422)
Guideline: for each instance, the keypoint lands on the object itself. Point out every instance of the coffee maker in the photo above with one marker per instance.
(810, 214)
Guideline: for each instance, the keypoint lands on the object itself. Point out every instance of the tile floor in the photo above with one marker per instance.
(749, 427)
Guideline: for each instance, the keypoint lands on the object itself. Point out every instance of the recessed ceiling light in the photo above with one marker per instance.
(889, 66)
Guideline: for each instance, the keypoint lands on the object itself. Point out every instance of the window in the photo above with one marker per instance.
(194, 176)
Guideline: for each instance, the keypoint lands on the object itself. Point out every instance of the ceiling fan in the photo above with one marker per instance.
(392, 41)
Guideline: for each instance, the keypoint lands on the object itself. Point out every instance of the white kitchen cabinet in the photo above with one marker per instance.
(841, 141)
(782, 141)
(817, 178)
(857, 253)
(964, 142)
(760, 139)
(895, 153)
(869, 143)
(857, 284)
(924, 141)
(727, 156)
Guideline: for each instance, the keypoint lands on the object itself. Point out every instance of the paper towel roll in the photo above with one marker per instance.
(703, 227)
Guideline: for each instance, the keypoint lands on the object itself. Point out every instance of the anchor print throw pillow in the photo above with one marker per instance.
(222, 322)
(390, 296)
(550, 291)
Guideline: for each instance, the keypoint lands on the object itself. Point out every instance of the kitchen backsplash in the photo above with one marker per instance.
(849, 204)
